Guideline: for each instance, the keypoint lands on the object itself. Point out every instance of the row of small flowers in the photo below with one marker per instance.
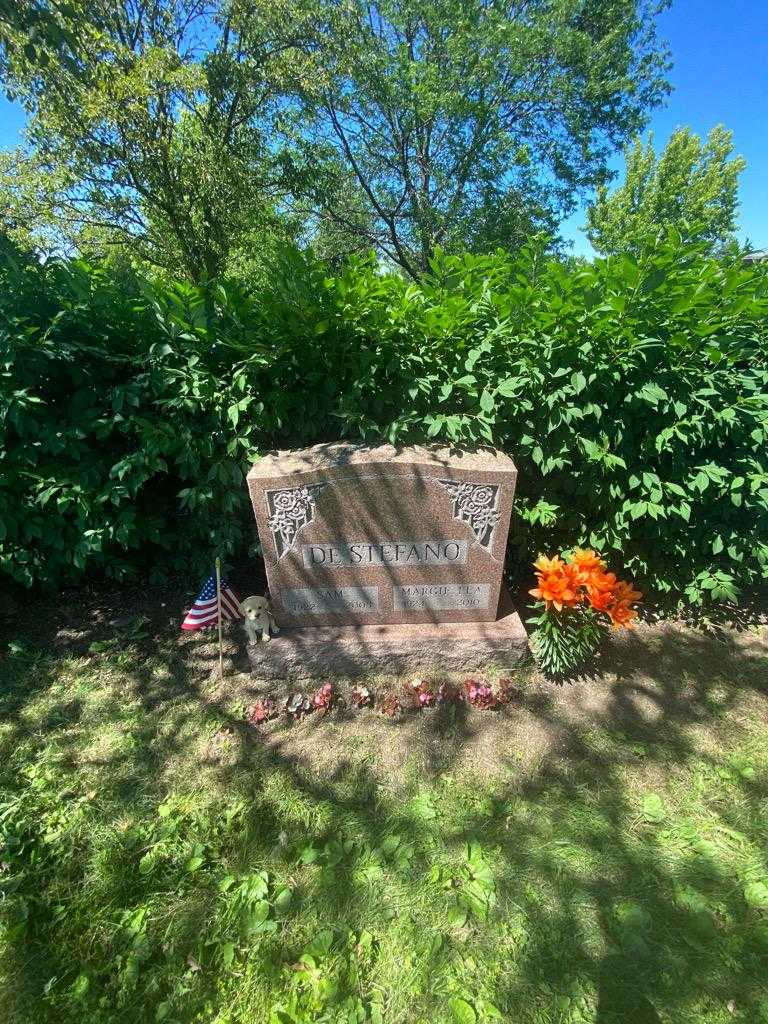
(416, 695)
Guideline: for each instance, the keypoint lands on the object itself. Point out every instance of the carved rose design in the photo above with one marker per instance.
(290, 510)
(483, 495)
(285, 500)
(475, 504)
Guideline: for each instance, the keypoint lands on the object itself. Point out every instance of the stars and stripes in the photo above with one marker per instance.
(204, 611)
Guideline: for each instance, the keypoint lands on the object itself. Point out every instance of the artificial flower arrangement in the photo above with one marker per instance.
(578, 598)
(415, 695)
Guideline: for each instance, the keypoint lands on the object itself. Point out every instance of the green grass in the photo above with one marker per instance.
(149, 874)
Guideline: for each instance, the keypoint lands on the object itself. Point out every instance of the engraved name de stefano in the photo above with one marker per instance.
(396, 552)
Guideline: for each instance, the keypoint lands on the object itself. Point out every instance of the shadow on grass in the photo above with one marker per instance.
(607, 906)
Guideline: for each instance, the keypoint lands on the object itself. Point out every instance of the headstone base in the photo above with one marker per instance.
(322, 652)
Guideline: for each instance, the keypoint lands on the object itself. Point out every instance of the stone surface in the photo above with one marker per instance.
(363, 535)
(322, 652)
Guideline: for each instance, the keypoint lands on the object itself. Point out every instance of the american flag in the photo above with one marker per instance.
(204, 611)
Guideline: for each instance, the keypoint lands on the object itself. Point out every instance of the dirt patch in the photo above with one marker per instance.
(653, 685)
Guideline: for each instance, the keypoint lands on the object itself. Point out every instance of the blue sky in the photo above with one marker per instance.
(720, 76)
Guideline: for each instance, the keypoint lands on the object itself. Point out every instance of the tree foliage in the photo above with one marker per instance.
(178, 128)
(471, 124)
(692, 185)
(146, 127)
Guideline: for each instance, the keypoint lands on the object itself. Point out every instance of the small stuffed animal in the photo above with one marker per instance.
(259, 619)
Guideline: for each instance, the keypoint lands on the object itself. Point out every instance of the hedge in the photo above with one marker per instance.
(632, 394)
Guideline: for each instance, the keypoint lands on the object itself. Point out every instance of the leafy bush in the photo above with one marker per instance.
(116, 452)
(632, 394)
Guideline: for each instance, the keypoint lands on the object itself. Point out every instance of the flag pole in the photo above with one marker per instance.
(218, 609)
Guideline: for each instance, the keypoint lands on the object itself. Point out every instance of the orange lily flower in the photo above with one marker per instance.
(600, 600)
(587, 559)
(625, 593)
(600, 582)
(557, 583)
(545, 565)
(565, 584)
(621, 615)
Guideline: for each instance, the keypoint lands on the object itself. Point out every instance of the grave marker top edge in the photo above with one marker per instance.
(339, 455)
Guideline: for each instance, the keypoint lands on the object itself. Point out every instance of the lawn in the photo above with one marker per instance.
(595, 853)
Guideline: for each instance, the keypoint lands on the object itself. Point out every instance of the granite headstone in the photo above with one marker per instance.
(358, 535)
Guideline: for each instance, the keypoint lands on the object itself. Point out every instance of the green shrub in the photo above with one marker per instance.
(632, 394)
(114, 458)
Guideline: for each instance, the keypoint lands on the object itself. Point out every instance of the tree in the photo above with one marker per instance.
(692, 186)
(146, 125)
(472, 120)
(173, 127)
